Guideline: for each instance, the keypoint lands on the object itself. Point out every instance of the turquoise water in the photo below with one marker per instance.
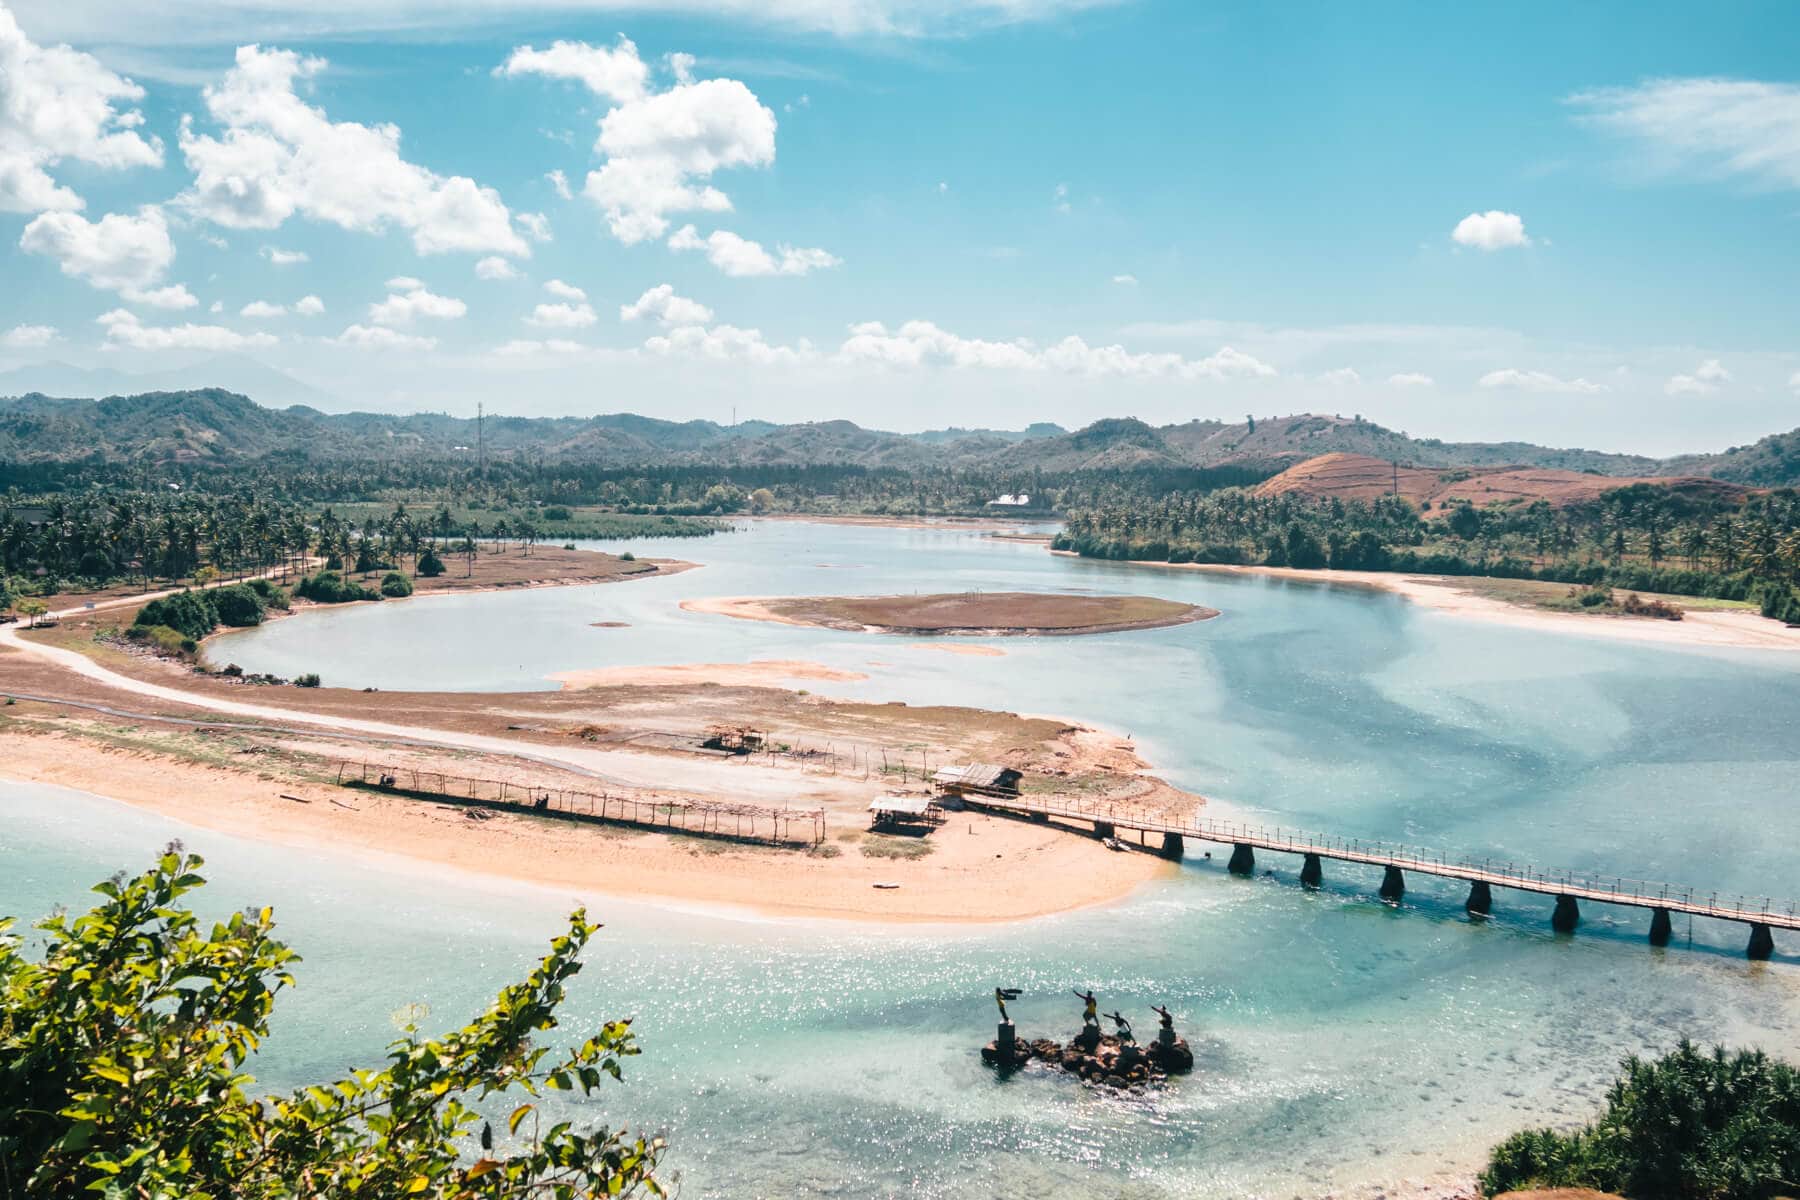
(1339, 1042)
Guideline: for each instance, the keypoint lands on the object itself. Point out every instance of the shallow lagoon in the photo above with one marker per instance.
(1339, 1041)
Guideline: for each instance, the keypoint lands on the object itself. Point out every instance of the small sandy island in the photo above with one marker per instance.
(979, 614)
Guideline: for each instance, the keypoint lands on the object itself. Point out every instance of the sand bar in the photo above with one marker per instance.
(978, 614)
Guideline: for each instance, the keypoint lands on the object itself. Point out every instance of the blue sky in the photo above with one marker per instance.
(1577, 225)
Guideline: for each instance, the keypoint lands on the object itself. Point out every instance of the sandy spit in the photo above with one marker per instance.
(761, 672)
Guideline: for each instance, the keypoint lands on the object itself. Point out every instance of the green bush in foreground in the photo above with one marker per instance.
(328, 587)
(1687, 1126)
(122, 1055)
(395, 585)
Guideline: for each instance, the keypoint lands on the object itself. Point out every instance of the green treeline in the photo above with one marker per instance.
(1642, 537)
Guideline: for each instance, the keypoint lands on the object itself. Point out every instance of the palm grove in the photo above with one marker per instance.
(1643, 537)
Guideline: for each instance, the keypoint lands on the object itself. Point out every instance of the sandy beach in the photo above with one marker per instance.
(1447, 594)
(759, 672)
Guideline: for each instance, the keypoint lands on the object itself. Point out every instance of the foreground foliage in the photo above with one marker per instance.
(1688, 1126)
(122, 1055)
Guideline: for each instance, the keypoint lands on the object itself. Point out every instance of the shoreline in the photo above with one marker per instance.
(1450, 595)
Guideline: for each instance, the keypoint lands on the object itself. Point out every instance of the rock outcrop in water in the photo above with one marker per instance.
(1102, 1060)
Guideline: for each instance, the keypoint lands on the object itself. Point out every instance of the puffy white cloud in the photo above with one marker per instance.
(661, 304)
(536, 226)
(567, 291)
(495, 267)
(60, 105)
(262, 310)
(1721, 126)
(410, 300)
(118, 252)
(309, 306)
(660, 149)
(739, 256)
(1411, 379)
(527, 348)
(616, 73)
(1491, 230)
(378, 337)
(284, 258)
(279, 156)
(1126, 280)
(1704, 381)
(560, 182)
(918, 344)
(726, 343)
(1341, 376)
(1539, 381)
(175, 295)
(124, 329)
(25, 337)
(562, 316)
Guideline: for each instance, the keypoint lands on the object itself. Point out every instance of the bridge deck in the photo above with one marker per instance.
(1638, 893)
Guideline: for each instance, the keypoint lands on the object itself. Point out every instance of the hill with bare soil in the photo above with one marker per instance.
(1362, 477)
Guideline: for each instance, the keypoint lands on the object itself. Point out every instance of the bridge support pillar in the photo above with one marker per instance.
(1393, 885)
(1042, 818)
(1104, 829)
(1660, 929)
(1481, 899)
(1567, 915)
(1762, 943)
(1243, 861)
(1173, 847)
(1312, 873)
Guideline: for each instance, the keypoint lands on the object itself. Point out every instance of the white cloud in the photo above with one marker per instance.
(740, 256)
(1720, 126)
(1794, 381)
(1491, 230)
(1126, 280)
(284, 258)
(175, 295)
(560, 182)
(562, 316)
(1060, 196)
(615, 73)
(1705, 380)
(726, 343)
(309, 306)
(660, 149)
(1341, 376)
(376, 337)
(495, 267)
(661, 303)
(535, 226)
(25, 337)
(164, 22)
(59, 105)
(567, 291)
(262, 310)
(124, 329)
(279, 156)
(526, 348)
(117, 252)
(1539, 381)
(411, 300)
(1411, 379)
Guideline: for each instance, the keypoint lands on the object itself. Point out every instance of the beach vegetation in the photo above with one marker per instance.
(125, 1038)
(308, 680)
(396, 586)
(329, 587)
(1691, 1125)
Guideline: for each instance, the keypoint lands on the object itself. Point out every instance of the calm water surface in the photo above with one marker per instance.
(1340, 1042)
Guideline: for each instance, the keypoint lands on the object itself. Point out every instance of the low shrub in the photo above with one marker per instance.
(272, 594)
(310, 679)
(328, 587)
(190, 612)
(171, 643)
(429, 565)
(238, 606)
(396, 585)
(1637, 606)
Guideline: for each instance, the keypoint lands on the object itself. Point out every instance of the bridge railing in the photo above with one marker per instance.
(1506, 872)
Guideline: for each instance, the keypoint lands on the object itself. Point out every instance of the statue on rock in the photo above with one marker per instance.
(1001, 996)
(1121, 1026)
(1091, 1007)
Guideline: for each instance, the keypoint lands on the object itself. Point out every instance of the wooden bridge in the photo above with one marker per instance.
(1482, 875)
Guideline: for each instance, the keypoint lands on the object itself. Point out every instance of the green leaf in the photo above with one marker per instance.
(518, 1114)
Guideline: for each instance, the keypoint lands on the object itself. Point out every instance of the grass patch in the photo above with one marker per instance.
(879, 846)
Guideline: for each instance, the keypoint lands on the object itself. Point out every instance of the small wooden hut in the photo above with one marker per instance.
(978, 779)
(887, 812)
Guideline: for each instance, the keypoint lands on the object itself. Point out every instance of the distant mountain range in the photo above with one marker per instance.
(215, 425)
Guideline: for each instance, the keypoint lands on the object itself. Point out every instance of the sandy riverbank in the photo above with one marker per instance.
(757, 673)
(978, 869)
(1735, 629)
